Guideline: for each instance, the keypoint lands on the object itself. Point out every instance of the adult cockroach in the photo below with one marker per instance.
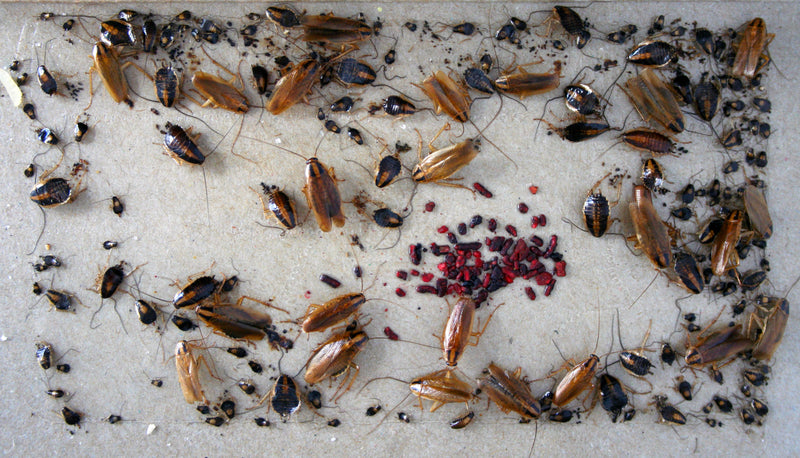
(235, 321)
(218, 92)
(524, 84)
(448, 96)
(293, 86)
(106, 63)
(279, 205)
(651, 233)
(334, 29)
(189, 372)
(334, 311)
(752, 45)
(767, 324)
(717, 346)
(654, 101)
(508, 391)
(757, 211)
(334, 357)
(458, 330)
(723, 252)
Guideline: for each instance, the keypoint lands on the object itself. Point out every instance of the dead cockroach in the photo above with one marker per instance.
(654, 101)
(189, 372)
(389, 168)
(706, 98)
(167, 86)
(283, 16)
(80, 131)
(684, 388)
(322, 195)
(70, 416)
(448, 96)
(651, 233)
(667, 413)
(181, 146)
(279, 205)
(395, 105)
(572, 24)
(652, 175)
(441, 164)
(576, 381)
(235, 321)
(582, 99)
(653, 54)
(509, 392)
(757, 211)
(44, 354)
(117, 32)
(47, 136)
(717, 346)
(723, 253)
(352, 72)
(613, 395)
(149, 36)
(334, 29)
(48, 84)
(218, 92)
(767, 324)
(60, 300)
(334, 357)
(462, 421)
(106, 63)
(524, 84)
(52, 192)
(458, 330)
(649, 140)
(260, 78)
(283, 397)
(441, 387)
(579, 131)
(634, 362)
(688, 273)
(196, 291)
(293, 86)
(336, 310)
(596, 209)
(752, 45)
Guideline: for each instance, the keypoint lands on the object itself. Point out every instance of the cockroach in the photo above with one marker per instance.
(752, 45)
(352, 72)
(706, 97)
(462, 421)
(651, 233)
(458, 331)
(752, 280)
(145, 312)
(688, 273)
(654, 101)
(195, 292)
(709, 232)
(228, 407)
(723, 252)
(167, 35)
(114, 419)
(53, 192)
(524, 84)
(322, 195)
(215, 421)
(717, 346)
(747, 416)
(167, 86)
(613, 395)
(681, 85)
(668, 413)
(355, 135)
(183, 323)
(29, 111)
(576, 381)
(766, 325)
(117, 206)
(731, 138)
(397, 106)
(343, 104)
(572, 24)
(507, 31)
(80, 131)
(334, 30)
(684, 388)
(220, 93)
(260, 78)
(441, 387)
(634, 362)
(293, 86)
(189, 372)
(622, 35)
(44, 354)
(560, 416)
(705, 39)
(596, 210)
(279, 205)
(757, 211)
(37, 289)
(509, 392)
(388, 170)
(763, 105)
(106, 63)
(60, 300)
(579, 131)
(283, 16)
(238, 352)
(334, 357)
(447, 95)
(149, 36)
(477, 79)
(65, 368)
(441, 164)
(110, 244)
(235, 321)
(283, 397)
(181, 146)
(384, 217)
(649, 140)
(314, 398)
(336, 310)
(759, 407)
(331, 126)
(582, 99)
(47, 136)
(372, 410)
(117, 32)
(70, 416)
(652, 175)
(48, 84)
(653, 54)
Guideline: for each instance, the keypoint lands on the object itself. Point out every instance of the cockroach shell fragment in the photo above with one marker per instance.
(442, 164)
(654, 101)
(651, 233)
(757, 211)
(323, 196)
(448, 96)
(509, 392)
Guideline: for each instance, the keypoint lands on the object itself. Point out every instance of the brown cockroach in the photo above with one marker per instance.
(189, 372)
(448, 96)
(723, 252)
(235, 321)
(48, 193)
(218, 92)
(442, 387)
(278, 204)
(322, 195)
(766, 325)
(293, 86)
(105, 61)
(336, 310)
(509, 392)
(579, 379)
(651, 233)
(524, 84)
(440, 165)
(654, 101)
(757, 211)
(335, 356)
(752, 45)
(334, 29)
(458, 330)
(717, 346)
